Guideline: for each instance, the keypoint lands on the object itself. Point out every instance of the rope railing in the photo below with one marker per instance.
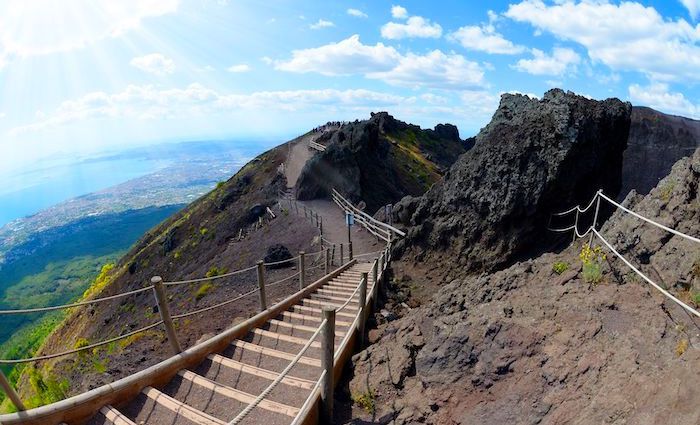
(85, 348)
(310, 399)
(593, 232)
(76, 304)
(206, 279)
(215, 306)
(277, 263)
(252, 405)
(348, 206)
(643, 276)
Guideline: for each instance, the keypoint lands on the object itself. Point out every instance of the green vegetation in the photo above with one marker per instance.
(592, 259)
(560, 267)
(681, 347)
(203, 290)
(100, 282)
(366, 401)
(216, 271)
(47, 388)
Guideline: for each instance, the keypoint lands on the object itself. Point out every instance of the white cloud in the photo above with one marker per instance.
(484, 38)
(435, 69)
(155, 64)
(350, 56)
(38, 27)
(628, 36)
(658, 96)
(560, 62)
(148, 102)
(415, 27)
(356, 13)
(322, 23)
(479, 102)
(345, 57)
(399, 12)
(693, 7)
(2, 115)
(239, 68)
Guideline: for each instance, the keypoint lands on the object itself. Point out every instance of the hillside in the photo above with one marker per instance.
(380, 160)
(225, 230)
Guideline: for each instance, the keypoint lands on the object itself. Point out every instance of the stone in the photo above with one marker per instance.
(276, 253)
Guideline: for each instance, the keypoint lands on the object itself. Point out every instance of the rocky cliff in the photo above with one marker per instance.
(534, 157)
(656, 142)
(380, 160)
(538, 342)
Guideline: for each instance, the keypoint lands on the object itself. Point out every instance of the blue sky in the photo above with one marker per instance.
(83, 76)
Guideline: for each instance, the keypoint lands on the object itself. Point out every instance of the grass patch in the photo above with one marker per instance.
(560, 267)
(203, 290)
(366, 400)
(681, 347)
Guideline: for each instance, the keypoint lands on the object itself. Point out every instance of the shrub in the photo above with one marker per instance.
(560, 267)
(47, 389)
(203, 231)
(366, 401)
(696, 298)
(203, 290)
(219, 184)
(215, 271)
(592, 259)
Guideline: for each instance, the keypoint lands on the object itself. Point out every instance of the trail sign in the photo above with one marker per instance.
(349, 218)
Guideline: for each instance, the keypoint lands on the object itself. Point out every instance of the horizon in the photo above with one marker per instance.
(101, 76)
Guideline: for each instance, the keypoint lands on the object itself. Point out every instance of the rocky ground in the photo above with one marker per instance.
(528, 345)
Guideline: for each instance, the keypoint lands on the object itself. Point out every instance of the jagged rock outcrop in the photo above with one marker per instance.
(534, 157)
(526, 345)
(379, 161)
(656, 142)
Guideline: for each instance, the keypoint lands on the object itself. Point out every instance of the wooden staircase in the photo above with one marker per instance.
(219, 388)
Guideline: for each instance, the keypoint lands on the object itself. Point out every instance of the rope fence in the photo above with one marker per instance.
(593, 232)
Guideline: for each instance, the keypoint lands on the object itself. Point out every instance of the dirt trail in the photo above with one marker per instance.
(298, 155)
(334, 227)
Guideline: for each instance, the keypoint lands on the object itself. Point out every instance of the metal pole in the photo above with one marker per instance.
(573, 239)
(261, 285)
(341, 254)
(333, 255)
(301, 270)
(164, 309)
(327, 260)
(349, 251)
(327, 351)
(362, 301)
(11, 393)
(595, 217)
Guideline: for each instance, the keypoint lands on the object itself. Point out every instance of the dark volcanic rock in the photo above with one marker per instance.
(276, 253)
(533, 158)
(379, 161)
(524, 345)
(656, 142)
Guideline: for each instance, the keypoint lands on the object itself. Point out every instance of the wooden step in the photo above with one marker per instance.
(307, 317)
(274, 353)
(181, 409)
(321, 297)
(336, 304)
(262, 373)
(237, 395)
(283, 337)
(115, 417)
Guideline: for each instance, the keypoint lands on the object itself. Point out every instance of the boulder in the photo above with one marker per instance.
(535, 157)
(276, 253)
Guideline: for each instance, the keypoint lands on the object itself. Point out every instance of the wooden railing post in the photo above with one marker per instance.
(375, 288)
(261, 285)
(301, 270)
(164, 310)
(327, 261)
(304, 210)
(341, 254)
(327, 352)
(296, 207)
(363, 309)
(11, 393)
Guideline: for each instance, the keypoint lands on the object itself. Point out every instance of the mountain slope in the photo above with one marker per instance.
(380, 160)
